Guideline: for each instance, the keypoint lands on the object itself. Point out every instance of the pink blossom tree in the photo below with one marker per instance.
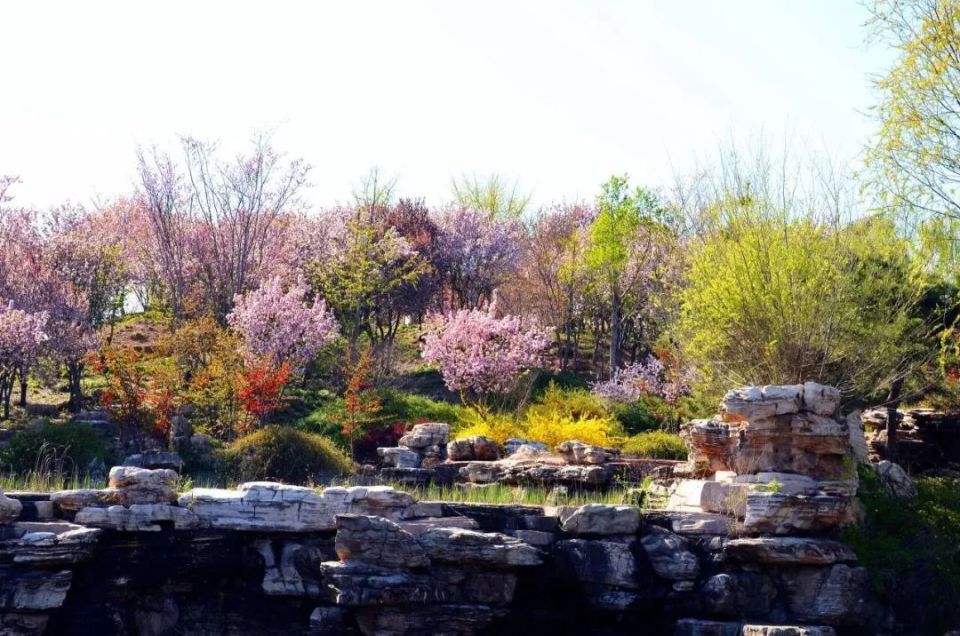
(480, 354)
(649, 377)
(21, 337)
(277, 323)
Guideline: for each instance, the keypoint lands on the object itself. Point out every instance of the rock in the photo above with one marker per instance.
(783, 483)
(602, 519)
(820, 399)
(399, 457)
(154, 459)
(201, 443)
(74, 500)
(356, 584)
(273, 507)
(514, 444)
(784, 514)
(788, 551)
(695, 523)
(760, 402)
(603, 562)
(519, 474)
(466, 547)
(836, 595)
(739, 594)
(33, 590)
(445, 620)
(576, 452)
(669, 554)
(280, 574)
(698, 627)
(787, 630)
(454, 584)
(858, 441)
(329, 621)
(419, 526)
(424, 435)
(138, 517)
(895, 480)
(379, 541)
(134, 477)
(49, 544)
(9, 509)
(474, 448)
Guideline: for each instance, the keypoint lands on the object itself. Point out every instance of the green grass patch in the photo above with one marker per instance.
(655, 445)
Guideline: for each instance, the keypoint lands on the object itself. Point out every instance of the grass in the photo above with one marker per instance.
(522, 495)
(34, 481)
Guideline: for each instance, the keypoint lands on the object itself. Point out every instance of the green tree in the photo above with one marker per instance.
(495, 196)
(625, 250)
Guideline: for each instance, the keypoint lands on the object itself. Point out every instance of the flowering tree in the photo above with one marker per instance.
(276, 323)
(21, 336)
(480, 353)
(260, 389)
(648, 377)
(480, 253)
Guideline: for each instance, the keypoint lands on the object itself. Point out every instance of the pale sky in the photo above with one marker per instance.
(558, 94)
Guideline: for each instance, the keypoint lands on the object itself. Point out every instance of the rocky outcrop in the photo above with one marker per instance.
(9, 508)
(895, 480)
(473, 448)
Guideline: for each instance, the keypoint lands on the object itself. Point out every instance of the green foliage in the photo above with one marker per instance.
(64, 449)
(575, 403)
(911, 548)
(495, 196)
(647, 414)
(655, 445)
(522, 495)
(285, 454)
(398, 407)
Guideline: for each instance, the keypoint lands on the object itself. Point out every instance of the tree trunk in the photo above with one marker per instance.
(616, 318)
(23, 388)
(893, 418)
(74, 373)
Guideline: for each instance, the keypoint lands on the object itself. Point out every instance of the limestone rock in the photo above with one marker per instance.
(273, 507)
(454, 584)
(834, 596)
(474, 448)
(280, 574)
(9, 509)
(739, 593)
(424, 435)
(356, 584)
(49, 544)
(669, 554)
(603, 562)
(820, 399)
(783, 514)
(858, 440)
(399, 457)
(134, 477)
(379, 541)
(33, 590)
(788, 551)
(155, 459)
(787, 630)
(74, 500)
(514, 444)
(895, 480)
(602, 519)
(138, 517)
(698, 627)
(458, 546)
(760, 402)
(417, 527)
(699, 524)
(576, 452)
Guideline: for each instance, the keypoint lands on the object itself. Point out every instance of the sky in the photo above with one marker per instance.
(556, 94)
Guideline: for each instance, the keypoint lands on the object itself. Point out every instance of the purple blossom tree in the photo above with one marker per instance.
(278, 324)
(480, 354)
(480, 252)
(647, 377)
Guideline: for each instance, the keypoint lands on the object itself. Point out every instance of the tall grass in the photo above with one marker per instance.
(501, 494)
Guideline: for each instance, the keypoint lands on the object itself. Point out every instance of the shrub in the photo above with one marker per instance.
(556, 402)
(497, 426)
(552, 428)
(62, 448)
(284, 454)
(397, 407)
(655, 445)
(911, 547)
(648, 413)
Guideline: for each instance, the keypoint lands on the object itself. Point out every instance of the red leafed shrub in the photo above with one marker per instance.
(261, 389)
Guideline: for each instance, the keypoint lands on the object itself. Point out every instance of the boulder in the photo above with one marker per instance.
(379, 541)
(281, 577)
(74, 500)
(669, 554)
(788, 551)
(576, 452)
(9, 509)
(138, 517)
(49, 544)
(600, 562)
(424, 435)
(774, 513)
(858, 440)
(399, 457)
(466, 547)
(474, 448)
(820, 399)
(514, 444)
(835, 595)
(602, 519)
(358, 584)
(761, 402)
(134, 477)
(895, 480)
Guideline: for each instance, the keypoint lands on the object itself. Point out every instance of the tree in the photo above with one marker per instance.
(481, 355)
(363, 274)
(914, 155)
(277, 324)
(628, 248)
(495, 196)
(361, 406)
(21, 336)
(479, 252)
